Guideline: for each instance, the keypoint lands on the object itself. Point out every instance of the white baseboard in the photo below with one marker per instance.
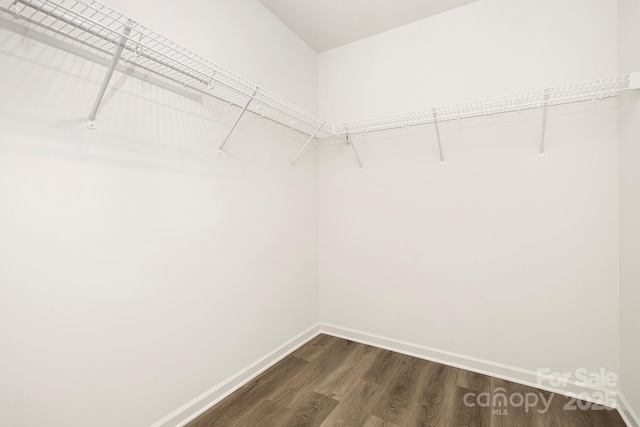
(627, 413)
(200, 404)
(206, 400)
(510, 373)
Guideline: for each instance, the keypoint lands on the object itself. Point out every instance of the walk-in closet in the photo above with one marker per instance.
(328, 213)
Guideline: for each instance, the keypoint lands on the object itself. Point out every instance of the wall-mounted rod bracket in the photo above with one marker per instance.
(545, 107)
(437, 127)
(107, 78)
(244, 109)
(304, 147)
(350, 142)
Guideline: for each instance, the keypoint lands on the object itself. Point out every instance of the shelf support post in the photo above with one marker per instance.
(435, 123)
(107, 78)
(304, 147)
(244, 109)
(545, 107)
(350, 142)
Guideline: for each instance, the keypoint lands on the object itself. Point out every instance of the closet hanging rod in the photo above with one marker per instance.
(99, 29)
(579, 92)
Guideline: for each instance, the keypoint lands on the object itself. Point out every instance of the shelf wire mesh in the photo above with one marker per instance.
(93, 26)
(579, 92)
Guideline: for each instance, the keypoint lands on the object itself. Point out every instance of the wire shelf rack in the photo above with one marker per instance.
(579, 92)
(89, 26)
(94, 27)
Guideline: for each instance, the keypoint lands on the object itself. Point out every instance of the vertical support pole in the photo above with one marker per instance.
(244, 109)
(349, 141)
(435, 123)
(545, 107)
(112, 67)
(304, 147)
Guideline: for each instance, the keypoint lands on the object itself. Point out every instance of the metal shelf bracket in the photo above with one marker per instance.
(107, 78)
(350, 142)
(244, 110)
(304, 147)
(435, 123)
(545, 108)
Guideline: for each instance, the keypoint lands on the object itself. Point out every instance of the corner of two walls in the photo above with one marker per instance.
(497, 255)
(147, 292)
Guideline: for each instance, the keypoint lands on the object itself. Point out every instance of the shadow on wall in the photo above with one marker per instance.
(142, 120)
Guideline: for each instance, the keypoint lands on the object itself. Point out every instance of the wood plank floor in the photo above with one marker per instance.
(334, 382)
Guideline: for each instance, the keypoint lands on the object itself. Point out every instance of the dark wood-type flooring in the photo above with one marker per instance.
(334, 382)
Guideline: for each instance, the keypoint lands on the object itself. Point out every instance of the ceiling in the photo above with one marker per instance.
(325, 24)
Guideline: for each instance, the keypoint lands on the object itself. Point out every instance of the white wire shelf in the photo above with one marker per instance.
(91, 28)
(94, 27)
(586, 91)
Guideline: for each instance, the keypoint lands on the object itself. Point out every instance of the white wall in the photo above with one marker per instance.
(137, 267)
(629, 61)
(487, 48)
(496, 255)
(241, 35)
